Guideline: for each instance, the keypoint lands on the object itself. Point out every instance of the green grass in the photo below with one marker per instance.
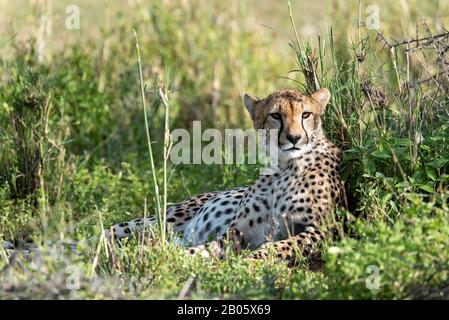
(74, 150)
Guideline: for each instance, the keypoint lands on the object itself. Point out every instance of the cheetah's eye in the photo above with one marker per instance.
(276, 115)
(305, 115)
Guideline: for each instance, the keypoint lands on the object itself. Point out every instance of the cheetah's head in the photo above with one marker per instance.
(296, 116)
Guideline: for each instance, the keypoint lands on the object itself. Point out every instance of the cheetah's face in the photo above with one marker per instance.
(296, 116)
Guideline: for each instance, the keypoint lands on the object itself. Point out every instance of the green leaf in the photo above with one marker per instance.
(428, 188)
(431, 173)
(369, 166)
(382, 154)
(386, 198)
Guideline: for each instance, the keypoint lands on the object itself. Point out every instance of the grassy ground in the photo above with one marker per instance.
(74, 156)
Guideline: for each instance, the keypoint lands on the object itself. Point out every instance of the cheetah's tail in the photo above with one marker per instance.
(117, 232)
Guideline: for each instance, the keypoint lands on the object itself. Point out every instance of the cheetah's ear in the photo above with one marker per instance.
(322, 96)
(250, 104)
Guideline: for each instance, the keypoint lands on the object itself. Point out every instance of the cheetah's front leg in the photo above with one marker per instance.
(287, 249)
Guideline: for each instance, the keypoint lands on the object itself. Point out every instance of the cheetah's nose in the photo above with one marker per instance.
(293, 139)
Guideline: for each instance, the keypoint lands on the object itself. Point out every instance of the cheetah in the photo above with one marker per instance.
(286, 211)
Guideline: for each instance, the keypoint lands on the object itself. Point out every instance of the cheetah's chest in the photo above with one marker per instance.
(290, 203)
(267, 213)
